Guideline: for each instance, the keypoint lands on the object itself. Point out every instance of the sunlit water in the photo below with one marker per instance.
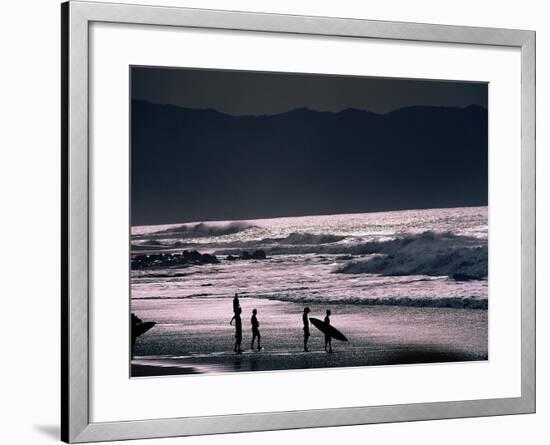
(304, 254)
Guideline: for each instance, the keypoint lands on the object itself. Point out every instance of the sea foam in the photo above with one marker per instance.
(429, 254)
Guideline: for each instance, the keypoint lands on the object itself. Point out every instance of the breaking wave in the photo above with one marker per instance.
(421, 243)
(471, 302)
(290, 242)
(305, 243)
(429, 254)
(198, 230)
(462, 264)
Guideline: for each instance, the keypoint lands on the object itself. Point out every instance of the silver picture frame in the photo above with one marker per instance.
(75, 396)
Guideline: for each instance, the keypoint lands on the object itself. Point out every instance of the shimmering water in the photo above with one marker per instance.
(328, 259)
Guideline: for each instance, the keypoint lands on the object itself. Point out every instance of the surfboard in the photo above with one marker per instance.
(142, 328)
(328, 329)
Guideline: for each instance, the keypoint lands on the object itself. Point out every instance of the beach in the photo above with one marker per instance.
(192, 337)
(404, 287)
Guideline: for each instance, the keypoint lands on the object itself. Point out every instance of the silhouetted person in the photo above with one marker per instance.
(138, 328)
(238, 330)
(305, 319)
(236, 305)
(135, 322)
(255, 330)
(328, 338)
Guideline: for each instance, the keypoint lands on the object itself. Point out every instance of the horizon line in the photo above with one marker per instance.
(305, 216)
(305, 108)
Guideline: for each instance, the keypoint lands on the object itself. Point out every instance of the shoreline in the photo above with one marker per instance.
(262, 361)
(192, 336)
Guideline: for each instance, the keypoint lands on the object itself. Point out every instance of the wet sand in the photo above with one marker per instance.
(194, 336)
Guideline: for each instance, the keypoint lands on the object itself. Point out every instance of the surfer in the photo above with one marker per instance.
(255, 330)
(328, 330)
(135, 323)
(238, 330)
(139, 328)
(327, 335)
(306, 328)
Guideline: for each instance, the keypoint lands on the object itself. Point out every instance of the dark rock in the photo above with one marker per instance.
(259, 255)
(209, 259)
(185, 258)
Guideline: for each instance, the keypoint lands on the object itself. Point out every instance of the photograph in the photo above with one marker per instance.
(287, 221)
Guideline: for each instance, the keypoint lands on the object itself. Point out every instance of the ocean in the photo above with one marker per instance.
(414, 258)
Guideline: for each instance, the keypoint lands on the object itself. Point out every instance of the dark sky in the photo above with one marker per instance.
(257, 93)
(233, 145)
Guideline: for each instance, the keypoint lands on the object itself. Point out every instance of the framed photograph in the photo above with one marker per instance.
(276, 222)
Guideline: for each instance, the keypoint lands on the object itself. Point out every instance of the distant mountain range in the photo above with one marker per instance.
(191, 165)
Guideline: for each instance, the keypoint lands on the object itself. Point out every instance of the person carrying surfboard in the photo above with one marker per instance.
(139, 327)
(328, 337)
(255, 330)
(305, 320)
(238, 331)
(328, 330)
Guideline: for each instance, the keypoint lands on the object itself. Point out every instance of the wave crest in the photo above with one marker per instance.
(425, 254)
(471, 302)
(306, 243)
(199, 230)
